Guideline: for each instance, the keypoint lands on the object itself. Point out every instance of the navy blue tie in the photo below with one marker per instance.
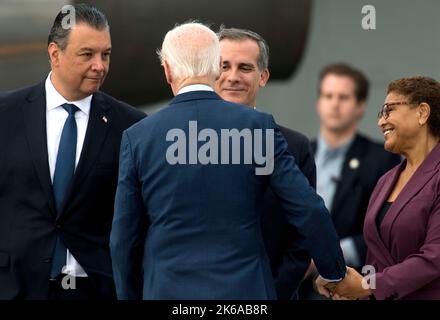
(64, 170)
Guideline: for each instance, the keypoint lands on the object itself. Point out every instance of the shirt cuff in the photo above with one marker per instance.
(331, 280)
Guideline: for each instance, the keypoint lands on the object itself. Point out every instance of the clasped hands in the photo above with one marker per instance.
(349, 288)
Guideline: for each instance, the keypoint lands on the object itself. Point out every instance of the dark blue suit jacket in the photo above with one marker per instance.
(193, 231)
(29, 221)
(288, 261)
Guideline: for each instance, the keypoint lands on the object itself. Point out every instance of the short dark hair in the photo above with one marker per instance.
(342, 69)
(84, 13)
(236, 34)
(421, 89)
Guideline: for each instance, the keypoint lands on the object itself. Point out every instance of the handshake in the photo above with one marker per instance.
(352, 287)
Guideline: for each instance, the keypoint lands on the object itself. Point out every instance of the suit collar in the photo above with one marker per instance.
(375, 241)
(349, 172)
(195, 87)
(34, 117)
(34, 114)
(100, 121)
(54, 99)
(421, 176)
(323, 147)
(194, 95)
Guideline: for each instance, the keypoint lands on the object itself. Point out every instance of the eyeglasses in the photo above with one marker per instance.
(385, 112)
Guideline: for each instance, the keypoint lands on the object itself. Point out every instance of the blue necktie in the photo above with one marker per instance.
(64, 170)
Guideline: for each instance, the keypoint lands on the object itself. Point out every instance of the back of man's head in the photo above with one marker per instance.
(81, 13)
(191, 50)
(344, 70)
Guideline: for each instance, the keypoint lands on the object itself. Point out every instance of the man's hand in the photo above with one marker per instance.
(351, 287)
(325, 288)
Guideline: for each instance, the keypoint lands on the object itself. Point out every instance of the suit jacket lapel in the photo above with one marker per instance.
(349, 173)
(375, 241)
(97, 128)
(34, 115)
(423, 174)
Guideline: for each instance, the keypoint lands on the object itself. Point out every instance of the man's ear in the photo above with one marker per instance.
(54, 54)
(264, 77)
(167, 71)
(424, 112)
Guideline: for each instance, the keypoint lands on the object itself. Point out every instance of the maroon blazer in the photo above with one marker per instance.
(406, 253)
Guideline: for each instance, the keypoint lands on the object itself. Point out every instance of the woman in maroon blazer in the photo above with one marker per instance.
(402, 225)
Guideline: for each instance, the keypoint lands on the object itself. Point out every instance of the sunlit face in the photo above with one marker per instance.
(240, 79)
(401, 128)
(338, 108)
(81, 68)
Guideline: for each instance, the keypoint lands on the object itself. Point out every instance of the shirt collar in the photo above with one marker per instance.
(341, 149)
(195, 87)
(54, 99)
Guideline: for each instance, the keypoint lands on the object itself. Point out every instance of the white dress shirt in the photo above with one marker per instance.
(56, 116)
(329, 164)
(195, 87)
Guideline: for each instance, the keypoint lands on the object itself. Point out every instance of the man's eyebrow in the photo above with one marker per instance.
(90, 49)
(244, 64)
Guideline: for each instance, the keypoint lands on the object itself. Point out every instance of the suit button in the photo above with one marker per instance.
(58, 226)
(47, 260)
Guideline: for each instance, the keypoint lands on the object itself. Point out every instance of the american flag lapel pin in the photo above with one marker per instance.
(104, 118)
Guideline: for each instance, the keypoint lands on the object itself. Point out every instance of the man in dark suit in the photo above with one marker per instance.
(202, 201)
(245, 59)
(348, 163)
(59, 169)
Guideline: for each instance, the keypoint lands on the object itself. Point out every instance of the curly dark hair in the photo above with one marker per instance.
(421, 89)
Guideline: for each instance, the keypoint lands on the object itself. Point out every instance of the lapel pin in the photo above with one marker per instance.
(354, 163)
(104, 118)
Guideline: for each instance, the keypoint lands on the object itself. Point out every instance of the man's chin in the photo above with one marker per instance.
(338, 127)
(92, 89)
(233, 98)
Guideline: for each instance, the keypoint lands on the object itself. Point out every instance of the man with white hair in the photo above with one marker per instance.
(188, 201)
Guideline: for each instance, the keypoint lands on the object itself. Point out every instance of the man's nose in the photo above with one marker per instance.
(98, 64)
(334, 102)
(233, 76)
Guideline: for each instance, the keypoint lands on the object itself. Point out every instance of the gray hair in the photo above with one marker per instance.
(84, 13)
(235, 34)
(191, 50)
